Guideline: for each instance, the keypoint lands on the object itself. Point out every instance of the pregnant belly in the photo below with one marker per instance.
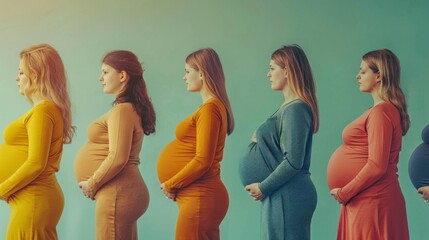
(344, 165)
(418, 166)
(11, 158)
(88, 159)
(173, 158)
(252, 167)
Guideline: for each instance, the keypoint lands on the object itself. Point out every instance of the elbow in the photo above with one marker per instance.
(203, 164)
(37, 168)
(379, 172)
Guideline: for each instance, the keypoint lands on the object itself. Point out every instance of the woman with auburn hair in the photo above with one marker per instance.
(362, 172)
(189, 166)
(33, 144)
(275, 169)
(106, 167)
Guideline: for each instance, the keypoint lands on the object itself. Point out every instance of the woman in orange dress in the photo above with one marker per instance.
(106, 167)
(189, 166)
(362, 173)
(33, 144)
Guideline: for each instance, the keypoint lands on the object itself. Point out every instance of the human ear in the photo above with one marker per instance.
(124, 76)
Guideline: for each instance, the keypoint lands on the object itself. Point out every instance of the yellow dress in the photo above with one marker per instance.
(29, 158)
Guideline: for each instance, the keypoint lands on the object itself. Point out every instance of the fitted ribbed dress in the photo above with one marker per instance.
(109, 161)
(280, 162)
(365, 170)
(190, 166)
(29, 159)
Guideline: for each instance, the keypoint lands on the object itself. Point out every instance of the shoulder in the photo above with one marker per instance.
(44, 109)
(123, 108)
(384, 113)
(384, 110)
(212, 106)
(46, 106)
(297, 109)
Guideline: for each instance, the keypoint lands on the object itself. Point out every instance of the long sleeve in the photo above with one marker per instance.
(380, 132)
(120, 132)
(208, 124)
(39, 126)
(295, 130)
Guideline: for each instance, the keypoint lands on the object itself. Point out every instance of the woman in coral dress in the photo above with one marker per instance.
(106, 167)
(362, 173)
(189, 166)
(33, 144)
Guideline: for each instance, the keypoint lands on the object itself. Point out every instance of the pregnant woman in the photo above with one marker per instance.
(418, 166)
(362, 173)
(33, 145)
(275, 169)
(189, 166)
(106, 167)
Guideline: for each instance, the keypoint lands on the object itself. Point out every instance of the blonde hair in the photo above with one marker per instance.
(300, 78)
(208, 63)
(48, 79)
(386, 63)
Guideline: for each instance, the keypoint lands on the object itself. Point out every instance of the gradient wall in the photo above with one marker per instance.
(334, 34)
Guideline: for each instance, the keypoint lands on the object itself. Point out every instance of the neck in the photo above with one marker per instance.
(36, 99)
(205, 95)
(376, 97)
(289, 96)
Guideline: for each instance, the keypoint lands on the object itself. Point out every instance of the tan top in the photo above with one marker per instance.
(115, 140)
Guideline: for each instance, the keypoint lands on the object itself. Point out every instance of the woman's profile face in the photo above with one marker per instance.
(277, 76)
(111, 80)
(193, 79)
(368, 80)
(22, 79)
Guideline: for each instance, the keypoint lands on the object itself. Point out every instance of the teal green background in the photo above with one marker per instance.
(334, 34)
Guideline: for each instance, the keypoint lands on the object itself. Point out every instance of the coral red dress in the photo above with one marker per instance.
(365, 170)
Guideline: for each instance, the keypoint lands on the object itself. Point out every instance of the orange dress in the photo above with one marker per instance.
(109, 161)
(365, 170)
(190, 166)
(29, 159)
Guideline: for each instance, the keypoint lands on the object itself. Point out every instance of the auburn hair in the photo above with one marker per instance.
(300, 78)
(207, 62)
(134, 91)
(386, 63)
(45, 69)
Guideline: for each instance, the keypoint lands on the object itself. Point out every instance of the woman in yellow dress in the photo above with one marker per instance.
(31, 153)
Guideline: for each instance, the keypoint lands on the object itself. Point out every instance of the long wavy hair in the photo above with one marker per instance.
(300, 78)
(135, 91)
(45, 69)
(207, 61)
(386, 63)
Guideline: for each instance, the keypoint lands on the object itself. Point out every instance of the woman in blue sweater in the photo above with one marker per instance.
(275, 169)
